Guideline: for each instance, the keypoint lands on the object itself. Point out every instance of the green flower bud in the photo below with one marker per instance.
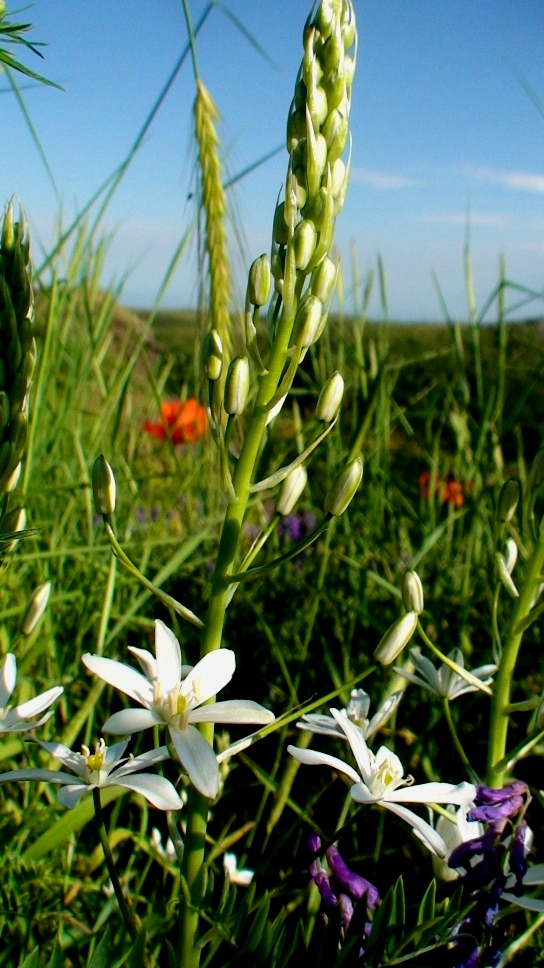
(511, 555)
(412, 592)
(307, 320)
(332, 53)
(323, 279)
(396, 639)
(304, 240)
(537, 470)
(5, 410)
(317, 106)
(213, 355)
(296, 127)
(334, 85)
(8, 233)
(36, 607)
(316, 159)
(344, 487)
(291, 489)
(13, 479)
(330, 398)
(12, 522)
(508, 500)
(338, 174)
(258, 286)
(324, 18)
(103, 483)
(280, 230)
(335, 132)
(237, 386)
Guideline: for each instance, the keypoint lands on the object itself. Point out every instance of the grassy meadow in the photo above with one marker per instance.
(443, 416)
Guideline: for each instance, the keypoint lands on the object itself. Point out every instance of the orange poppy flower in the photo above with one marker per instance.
(184, 421)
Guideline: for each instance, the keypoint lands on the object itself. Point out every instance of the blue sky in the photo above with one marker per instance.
(441, 126)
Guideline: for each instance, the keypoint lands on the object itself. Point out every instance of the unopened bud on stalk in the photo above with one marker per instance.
(508, 500)
(330, 398)
(237, 386)
(304, 240)
(323, 279)
(13, 479)
(505, 576)
(36, 607)
(12, 522)
(396, 639)
(537, 470)
(291, 489)
(412, 593)
(510, 555)
(213, 355)
(258, 285)
(103, 483)
(344, 487)
(307, 320)
(280, 230)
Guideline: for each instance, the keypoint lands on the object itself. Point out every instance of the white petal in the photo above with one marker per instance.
(534, 876)
(384, 713)
(141, 762)
(8, 678)
(528, 903)
(49, 776)
(131, 721)
(313, 758)
(357, 743)
(157, 789)
(361, 794)
(147, 662)
(232, 711)
(69, 796)
(426, 833)
(168, 655)
(212, 673)
(12, 724)
(461, 794)
(74, 761)
(198, 759)
(35, 706)
(120, 676)
(322, 724)
(114, 754)
(426, 669)
(416, 680)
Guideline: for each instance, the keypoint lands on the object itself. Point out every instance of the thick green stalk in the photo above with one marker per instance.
(498, 727)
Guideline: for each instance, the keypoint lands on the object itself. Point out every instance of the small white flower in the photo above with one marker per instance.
(444, 682)
(20, 719)
(381, 781)
(174, 695)
(235, 874)
(107, 766)
(357, 712)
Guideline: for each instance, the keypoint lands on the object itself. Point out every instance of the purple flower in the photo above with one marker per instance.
(492, 805)
(329, 899)
(518, 862)
(354, 884)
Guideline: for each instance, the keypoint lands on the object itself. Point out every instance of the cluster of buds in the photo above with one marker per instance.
(18, 346)
(399, 634)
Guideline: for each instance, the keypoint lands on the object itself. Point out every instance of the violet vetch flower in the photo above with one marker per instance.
(173, 695)
(107, 766)
(19, 719)
(354, 884)
(381, 782)
(357, 712)
(495, 805)
(518, 860)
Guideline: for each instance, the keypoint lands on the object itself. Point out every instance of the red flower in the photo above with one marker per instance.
(184, 421)
(451, 490)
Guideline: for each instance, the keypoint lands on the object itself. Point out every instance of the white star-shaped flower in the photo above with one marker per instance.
(445, 682)
(357, 712)
(381, 781)
(174, 695)
(19, 719)
(107, 766)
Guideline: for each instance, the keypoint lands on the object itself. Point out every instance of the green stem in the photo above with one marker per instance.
(110, 864)
(498, 726)
(457, 742)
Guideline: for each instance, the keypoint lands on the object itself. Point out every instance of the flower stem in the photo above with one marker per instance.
(110, 864)
(498, 726)
(457, 742)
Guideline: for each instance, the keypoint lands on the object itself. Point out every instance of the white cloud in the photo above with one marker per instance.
(525, 181)
(382, 179)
